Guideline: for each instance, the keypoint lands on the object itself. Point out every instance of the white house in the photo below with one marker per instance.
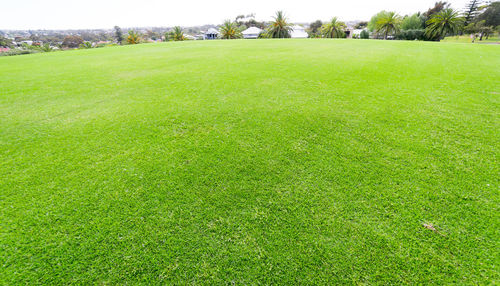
(211, 34)
(299, 32)
(356, 32)
(251, 33)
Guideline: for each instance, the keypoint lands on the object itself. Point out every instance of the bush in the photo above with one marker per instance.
(46, 48)
(364, 34)
(17, 52)
(411, 35)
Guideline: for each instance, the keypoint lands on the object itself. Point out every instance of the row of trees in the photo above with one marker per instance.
(280, 27)
(479, 18)
(438, 22)
(133, 37)
(71, 42)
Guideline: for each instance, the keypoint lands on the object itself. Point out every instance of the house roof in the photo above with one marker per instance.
(212, 31)
(297, 28)
(252, 31)
(298, 32)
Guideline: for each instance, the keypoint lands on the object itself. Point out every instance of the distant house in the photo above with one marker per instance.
(356, 32)
(251, 33)
(299, 32)
(211, 34)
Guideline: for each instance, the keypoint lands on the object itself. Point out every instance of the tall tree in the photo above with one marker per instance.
(72, 41)
(118, 35)
(333, 29)
(491, 14)
(445, 22)
(471, 11)
(229, 30)
(315, 27)
(480, 28)
(438, 7)
(388, 24)
(372, 25)
(279, 28)
(248, 21)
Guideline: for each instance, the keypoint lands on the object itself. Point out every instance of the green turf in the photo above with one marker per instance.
(467, 39)
(251, 161)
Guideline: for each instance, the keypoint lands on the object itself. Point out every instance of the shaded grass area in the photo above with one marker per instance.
(292, 161)
(467, 39)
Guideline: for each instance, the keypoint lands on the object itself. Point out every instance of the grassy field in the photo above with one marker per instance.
(467, 39)
(251, 161)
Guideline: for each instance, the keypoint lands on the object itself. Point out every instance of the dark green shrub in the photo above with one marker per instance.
(411, 35)
(364, 34)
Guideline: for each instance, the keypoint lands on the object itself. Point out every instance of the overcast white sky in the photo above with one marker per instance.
(82, 14)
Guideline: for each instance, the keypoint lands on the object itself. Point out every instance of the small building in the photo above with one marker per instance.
(211, 34)
(251, 33)
(356, 33)
(299, 32)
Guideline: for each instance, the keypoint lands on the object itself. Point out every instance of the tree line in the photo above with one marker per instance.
(479, 18)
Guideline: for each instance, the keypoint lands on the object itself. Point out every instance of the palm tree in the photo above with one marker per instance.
(133, 37)
(333, 29)
(388, 24)
(445, 22)
(279, 28)
(46, 48)
(229, 30)
(86, 45)
(177, 34)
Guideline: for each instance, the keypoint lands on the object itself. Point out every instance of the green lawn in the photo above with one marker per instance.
(251, 162)
(467, 39)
